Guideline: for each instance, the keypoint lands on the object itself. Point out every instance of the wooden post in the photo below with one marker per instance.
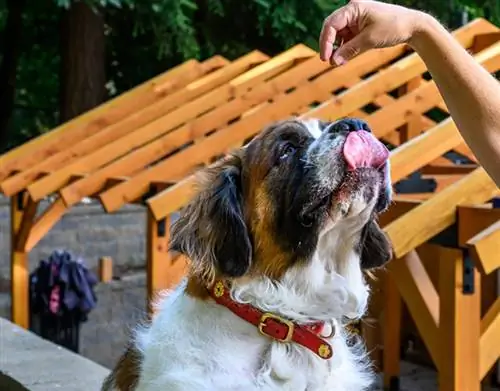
(19, 265)
(393, 301)
(459, 326)
(392, 332)
(105, 269)
(158, 233)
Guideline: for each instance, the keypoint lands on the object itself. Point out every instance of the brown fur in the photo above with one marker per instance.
(125, 375)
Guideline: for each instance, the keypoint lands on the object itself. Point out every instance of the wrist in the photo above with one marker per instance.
(423, 27)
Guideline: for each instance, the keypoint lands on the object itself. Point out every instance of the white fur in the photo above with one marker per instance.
(196, 345)
(313, 127)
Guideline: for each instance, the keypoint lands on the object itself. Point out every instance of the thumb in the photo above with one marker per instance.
(352, 48)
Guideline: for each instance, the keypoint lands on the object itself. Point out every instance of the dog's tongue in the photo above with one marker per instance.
(362, 149)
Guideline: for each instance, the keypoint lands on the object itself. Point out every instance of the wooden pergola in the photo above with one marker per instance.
(144, 146)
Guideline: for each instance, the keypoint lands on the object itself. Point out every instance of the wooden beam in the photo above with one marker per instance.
(145, 154)
(44, 223)
(231, 135)
(390, 78)
(485, 248)
(393, 307)
(108, 145)
(29, 213)
(114, 198)
(105, 269)
(413, 229)
(459, 329)
(421, 298)
(94, 120)
(423, 149)
(270, 68)
(490, 336)
(473, 219)
(19, 266)
(453, 169)
(163, 271)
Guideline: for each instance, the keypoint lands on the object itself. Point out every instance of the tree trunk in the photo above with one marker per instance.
(83, 74)
(8, 68)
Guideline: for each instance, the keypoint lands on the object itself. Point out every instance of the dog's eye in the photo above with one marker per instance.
(287, 151)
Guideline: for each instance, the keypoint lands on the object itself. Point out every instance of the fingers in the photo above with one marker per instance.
(337, 21)
(352, 48)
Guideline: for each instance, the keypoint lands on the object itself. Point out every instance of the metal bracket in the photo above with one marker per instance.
(394, 383)
(20, 200)
(161, 226)
(468, 285)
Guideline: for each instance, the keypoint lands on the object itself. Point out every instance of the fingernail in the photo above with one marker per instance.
(339, 60)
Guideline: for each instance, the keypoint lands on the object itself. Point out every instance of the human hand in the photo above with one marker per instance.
(364, 24)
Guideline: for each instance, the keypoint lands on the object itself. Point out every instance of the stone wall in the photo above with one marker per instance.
(89, 233)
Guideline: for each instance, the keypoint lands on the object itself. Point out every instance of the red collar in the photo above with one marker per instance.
(274, 326)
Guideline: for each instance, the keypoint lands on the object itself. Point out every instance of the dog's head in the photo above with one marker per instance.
(273, 204)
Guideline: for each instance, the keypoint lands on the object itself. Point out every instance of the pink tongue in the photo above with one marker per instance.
(362, 149)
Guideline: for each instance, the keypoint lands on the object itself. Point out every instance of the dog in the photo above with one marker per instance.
(278, 235)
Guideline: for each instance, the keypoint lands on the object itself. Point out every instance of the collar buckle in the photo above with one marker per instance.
(285, 322)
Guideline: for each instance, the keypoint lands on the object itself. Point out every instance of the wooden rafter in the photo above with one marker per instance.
(113, 111)
(282, 105)
(415, 227)
(343, 104)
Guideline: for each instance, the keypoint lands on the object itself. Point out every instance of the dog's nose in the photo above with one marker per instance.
(350, 125)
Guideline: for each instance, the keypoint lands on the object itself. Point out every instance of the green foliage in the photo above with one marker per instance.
(146, 37)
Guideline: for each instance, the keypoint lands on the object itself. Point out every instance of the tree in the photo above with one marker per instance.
(8, 67)
(83, 63)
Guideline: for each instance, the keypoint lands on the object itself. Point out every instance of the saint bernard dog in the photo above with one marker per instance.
(278, 235)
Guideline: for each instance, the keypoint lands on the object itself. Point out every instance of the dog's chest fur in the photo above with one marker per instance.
(198, 345)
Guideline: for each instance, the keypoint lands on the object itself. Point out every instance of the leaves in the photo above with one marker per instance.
(146, 37)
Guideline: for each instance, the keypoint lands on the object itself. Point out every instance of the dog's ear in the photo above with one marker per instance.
(376, 249)
(211, 230)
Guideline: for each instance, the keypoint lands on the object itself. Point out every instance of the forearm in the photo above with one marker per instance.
(470, 92)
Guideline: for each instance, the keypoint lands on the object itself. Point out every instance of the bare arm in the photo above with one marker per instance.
(470, 92)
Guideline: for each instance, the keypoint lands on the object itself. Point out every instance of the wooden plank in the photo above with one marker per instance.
(423, 149)
(413, 229)
(19, 272)
(485, 248)
(163, 271)
(422, 98)
(219, 142)
(393, 307)
(105, 269)
(163, 145)
(421, 298)
(457, 169)
(489, 348)
(271, 68)
(44, 223)
(114, 198)
(74, 152)
(386, 80)
(29, 213)
(459, 328)
(94, 120)
(473, 220)
(108, 145)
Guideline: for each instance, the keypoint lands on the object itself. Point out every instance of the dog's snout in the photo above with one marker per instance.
(350, 125)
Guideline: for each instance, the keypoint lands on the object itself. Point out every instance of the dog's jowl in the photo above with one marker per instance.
(278, 235)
